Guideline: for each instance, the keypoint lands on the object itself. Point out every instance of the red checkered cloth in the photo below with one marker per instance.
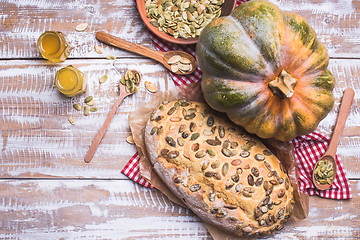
(132, 171)
(308, 149)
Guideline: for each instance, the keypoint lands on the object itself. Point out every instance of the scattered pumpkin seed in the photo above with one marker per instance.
(110, 57)
(81, 27)
(86, 110)
(71, 120)
(99, 49)
(151, 87)
(77, 106)
(103, 79)
(130, 139)
(94, 109)
(91, 102)
(88, 99)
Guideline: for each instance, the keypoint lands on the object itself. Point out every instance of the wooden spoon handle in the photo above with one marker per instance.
(341, 119)
(132, 47)
(89, 155)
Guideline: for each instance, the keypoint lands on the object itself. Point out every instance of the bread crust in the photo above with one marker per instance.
(224, 175)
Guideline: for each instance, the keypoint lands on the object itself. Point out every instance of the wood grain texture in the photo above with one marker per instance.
(42, 195)
(36, 138)
(336, 22)
(121, 209)
(22, 22)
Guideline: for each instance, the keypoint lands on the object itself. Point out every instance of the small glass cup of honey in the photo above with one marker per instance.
(70, 81)
(53, 46)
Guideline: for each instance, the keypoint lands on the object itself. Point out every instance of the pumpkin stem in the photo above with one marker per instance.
(283, 85)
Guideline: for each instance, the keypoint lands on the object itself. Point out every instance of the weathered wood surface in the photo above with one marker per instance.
(41, 154)
(336, 23)
(36, 138)
(38, 141)
(119, 209)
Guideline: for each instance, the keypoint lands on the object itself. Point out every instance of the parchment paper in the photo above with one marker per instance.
(283, 150)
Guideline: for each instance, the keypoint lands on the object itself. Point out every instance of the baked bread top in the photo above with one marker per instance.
(224, 175)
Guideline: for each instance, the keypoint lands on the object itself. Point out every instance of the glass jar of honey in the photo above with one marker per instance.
(70, 81)
(53, 46)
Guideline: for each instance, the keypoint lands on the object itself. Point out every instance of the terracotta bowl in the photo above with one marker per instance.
(227, 8)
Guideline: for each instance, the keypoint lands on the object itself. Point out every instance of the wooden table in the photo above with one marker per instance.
(47, 191)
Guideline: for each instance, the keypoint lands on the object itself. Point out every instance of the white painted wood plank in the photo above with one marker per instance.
(38, 141)
(22, 22)
(336, 23)
(93, 209)
(36, 137)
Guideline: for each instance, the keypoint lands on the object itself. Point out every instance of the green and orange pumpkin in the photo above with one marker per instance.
(266, 70)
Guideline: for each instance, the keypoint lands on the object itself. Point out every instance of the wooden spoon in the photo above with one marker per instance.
(161, 57)
(330, 153)
(123, 93)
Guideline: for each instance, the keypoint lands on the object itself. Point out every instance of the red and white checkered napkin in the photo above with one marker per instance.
(308, 149)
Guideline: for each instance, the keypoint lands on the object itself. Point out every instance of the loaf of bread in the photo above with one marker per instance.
(224, 175)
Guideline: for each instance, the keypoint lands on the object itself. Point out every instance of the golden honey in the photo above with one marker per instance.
(53, 46)
(70, 81)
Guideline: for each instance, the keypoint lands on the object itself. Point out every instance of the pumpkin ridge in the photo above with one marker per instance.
(228, 95)
(251, 77)
(310, 45)
(239, 24)
(223, 32)
(270, 41)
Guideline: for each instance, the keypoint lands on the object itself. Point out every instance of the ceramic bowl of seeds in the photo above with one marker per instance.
(181, 21)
